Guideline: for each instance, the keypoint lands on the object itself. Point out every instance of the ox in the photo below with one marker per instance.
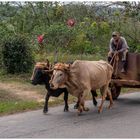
(42, 75)
(82, 77)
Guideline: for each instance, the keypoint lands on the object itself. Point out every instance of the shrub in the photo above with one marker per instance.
(138, 48)
(16, 55)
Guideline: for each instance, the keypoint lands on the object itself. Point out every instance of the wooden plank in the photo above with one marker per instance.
(126, 83)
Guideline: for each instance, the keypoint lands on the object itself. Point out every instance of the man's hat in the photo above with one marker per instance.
(115, 33)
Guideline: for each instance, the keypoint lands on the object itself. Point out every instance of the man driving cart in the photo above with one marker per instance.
(118, 45)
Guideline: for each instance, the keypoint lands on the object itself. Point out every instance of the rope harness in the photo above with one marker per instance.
(116, 60)
(61, 66)
(115, 63)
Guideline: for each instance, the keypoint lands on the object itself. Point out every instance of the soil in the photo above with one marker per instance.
(21, 92)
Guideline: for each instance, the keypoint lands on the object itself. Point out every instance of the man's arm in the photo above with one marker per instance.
(124, 45)
(110, 45)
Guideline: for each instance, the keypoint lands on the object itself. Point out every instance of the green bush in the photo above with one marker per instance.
(138, 48)
(16, 55)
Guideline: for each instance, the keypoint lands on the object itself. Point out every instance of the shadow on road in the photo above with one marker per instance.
(129, 100)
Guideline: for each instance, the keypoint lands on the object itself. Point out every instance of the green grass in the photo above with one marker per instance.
(22, 78)
(65, 57)
(10, 107)
(10, 103)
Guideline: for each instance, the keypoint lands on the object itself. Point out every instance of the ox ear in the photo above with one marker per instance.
(67, 67)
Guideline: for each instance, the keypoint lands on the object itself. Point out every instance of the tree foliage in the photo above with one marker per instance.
(94, 23)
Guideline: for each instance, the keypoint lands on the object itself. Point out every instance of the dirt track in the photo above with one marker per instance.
(21, 92)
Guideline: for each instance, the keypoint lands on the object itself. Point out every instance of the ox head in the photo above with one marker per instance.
(60, 75)
(41, 73)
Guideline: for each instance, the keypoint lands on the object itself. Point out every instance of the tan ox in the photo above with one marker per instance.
(81, 77)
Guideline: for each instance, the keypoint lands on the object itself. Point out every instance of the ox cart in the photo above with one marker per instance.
(131, 78)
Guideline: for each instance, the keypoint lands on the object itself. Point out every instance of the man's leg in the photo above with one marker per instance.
(124, 61)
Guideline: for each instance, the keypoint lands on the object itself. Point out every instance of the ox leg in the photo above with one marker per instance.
(110, 97)
(94, 94)
(83, 105)
(80, 108)
(83, 101)
(76, 105)
(66, 107)
(103, 91)
(45, 110)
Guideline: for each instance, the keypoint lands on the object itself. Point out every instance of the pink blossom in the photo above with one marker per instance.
(71, 22)
(40, 39)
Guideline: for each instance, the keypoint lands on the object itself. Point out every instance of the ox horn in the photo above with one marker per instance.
(67, 66)
(48, 71)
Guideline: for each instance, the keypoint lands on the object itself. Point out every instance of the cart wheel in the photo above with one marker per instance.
(115, 91)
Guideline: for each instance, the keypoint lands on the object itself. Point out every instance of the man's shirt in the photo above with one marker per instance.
(120, 46)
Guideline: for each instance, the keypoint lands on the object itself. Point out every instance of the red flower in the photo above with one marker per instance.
(71, 22)
(40, 39)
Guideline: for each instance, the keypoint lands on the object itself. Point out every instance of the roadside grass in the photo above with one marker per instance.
(22, 78)
(10, 104)
(66, 57)
(11, 107)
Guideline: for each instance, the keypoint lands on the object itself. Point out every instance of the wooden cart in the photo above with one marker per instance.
(129, 79)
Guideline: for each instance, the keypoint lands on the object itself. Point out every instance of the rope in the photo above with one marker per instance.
(116, 60)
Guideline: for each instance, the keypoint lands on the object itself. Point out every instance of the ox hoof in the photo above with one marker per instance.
(110, 106)
(45, 112)
(80, 110)
(99, 110)
(79, 113)
(76, 106)
(66, 110)
(86, 109)
(95, 103)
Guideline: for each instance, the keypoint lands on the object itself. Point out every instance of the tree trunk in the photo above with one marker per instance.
(56, 55)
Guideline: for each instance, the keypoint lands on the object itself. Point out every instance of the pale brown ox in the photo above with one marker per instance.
(81, 77)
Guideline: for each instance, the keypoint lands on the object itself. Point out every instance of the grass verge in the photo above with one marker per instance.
(9, 103)
(10, 107)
